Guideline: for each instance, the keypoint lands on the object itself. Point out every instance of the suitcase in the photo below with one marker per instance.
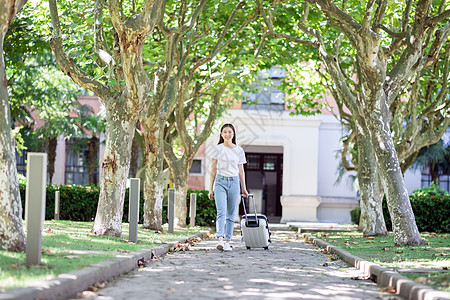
(254, 228)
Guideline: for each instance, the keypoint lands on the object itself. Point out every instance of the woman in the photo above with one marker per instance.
(228, 180)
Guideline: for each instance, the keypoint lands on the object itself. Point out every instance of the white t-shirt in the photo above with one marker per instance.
(228, 159)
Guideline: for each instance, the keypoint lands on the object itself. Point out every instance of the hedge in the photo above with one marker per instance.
(79, 203)
(431, 207)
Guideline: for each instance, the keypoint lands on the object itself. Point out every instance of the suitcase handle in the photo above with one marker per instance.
(245, 211)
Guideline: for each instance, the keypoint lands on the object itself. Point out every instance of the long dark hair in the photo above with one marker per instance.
(233, 140)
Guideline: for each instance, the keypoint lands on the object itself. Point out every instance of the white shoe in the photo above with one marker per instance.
(220, 246)
(227, 247)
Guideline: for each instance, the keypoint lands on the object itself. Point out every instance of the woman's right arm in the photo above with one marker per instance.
(213, 178)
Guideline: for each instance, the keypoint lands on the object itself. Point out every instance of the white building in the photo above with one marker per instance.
(293, 161)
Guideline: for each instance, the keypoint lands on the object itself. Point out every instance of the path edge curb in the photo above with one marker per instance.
(383, 276)
(67, 285)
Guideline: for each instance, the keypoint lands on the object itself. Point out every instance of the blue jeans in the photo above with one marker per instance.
(226, 195)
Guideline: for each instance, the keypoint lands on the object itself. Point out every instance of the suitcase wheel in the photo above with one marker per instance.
(248, 248)
(266, 248)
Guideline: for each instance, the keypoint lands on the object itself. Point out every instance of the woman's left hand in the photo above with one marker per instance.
(245, 193)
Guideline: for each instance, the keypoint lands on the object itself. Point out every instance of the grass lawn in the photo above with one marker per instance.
(69, 246)
(381, 250)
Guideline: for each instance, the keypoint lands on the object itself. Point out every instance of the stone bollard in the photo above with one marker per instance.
(35, 205)
(193, 209)
(171, 209)
(57, 205)
(133, 210)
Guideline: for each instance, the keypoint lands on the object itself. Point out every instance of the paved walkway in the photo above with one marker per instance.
(291, 269)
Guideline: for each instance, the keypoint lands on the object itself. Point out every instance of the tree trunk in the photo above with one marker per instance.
(434, 172)
(372, 220)
(115, 167)
(92, 159)
(403, 221)
(52, 143)
(153, 183)
(12, 237)
(180, 176)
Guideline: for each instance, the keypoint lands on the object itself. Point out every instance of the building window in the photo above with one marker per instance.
(196, 167)
(21, 163)
(443, 180)
(269, 162)
(267, 96)
(77, 170)
(253, 162)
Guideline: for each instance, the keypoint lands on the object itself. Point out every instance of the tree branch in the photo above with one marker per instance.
(115, 10)
(405, 16)
(436, 19)
(148, 11)
(276, 35)
(330, 8)
(441, 37)
(213, 110)
(368, 15)
(219, 45)
(346, 144)
(101, 48)
(400, 35)
(379, 15)
(67, 65)
(194, 16)
(180, 119)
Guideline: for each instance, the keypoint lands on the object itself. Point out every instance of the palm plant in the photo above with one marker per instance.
(437, 157)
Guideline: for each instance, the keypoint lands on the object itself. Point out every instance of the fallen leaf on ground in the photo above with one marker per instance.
(92, 288)
(388, 289)
(385, 249)
(333, 256)
(101, 285)
(141, 262)
(86, 294)
(370, 238)
(122, 251)
(399, 251)
(383, 242)
(14, 266)
(360, 277)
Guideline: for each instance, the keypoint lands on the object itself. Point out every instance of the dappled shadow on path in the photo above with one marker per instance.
(291, 269)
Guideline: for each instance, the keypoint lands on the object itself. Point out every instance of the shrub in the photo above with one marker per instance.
(355, 214)
(79, 203)
(206, 209)
(431, 207)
